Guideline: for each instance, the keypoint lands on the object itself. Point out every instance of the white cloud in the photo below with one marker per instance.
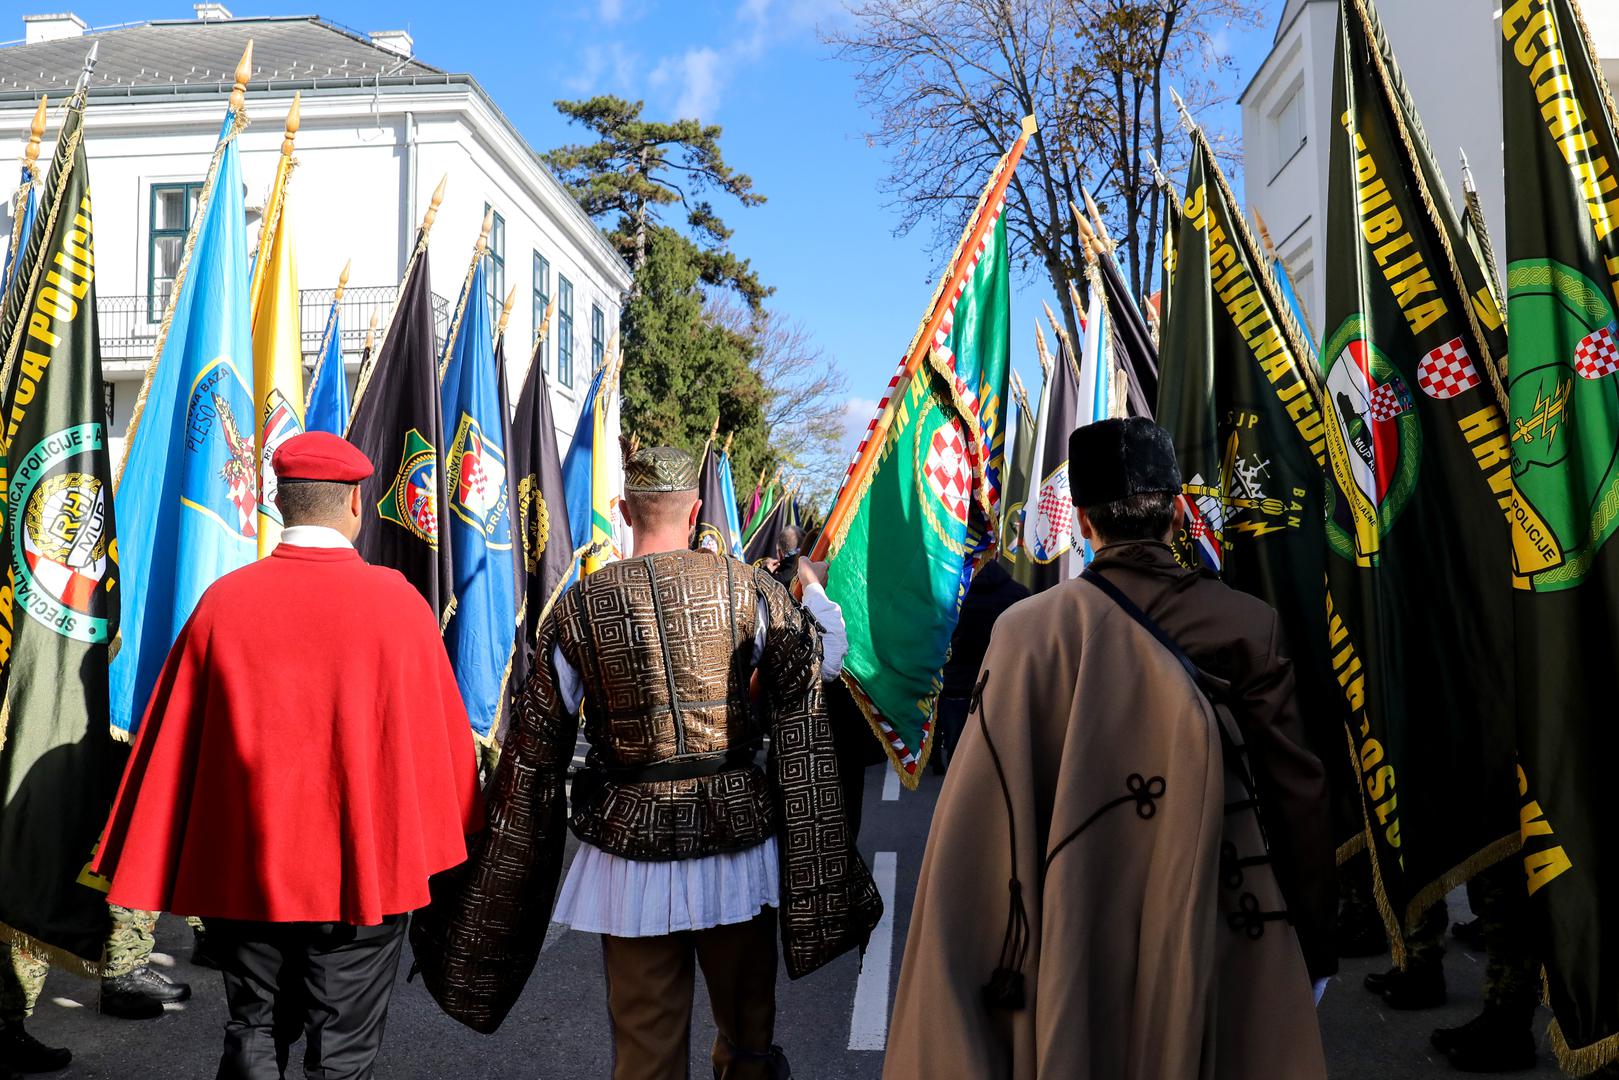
(610, 11)
(697, 76)
(606, 68)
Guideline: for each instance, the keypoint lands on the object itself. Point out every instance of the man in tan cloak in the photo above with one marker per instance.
(1097, 900)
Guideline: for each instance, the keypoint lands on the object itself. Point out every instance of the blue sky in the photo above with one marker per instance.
(756, 67)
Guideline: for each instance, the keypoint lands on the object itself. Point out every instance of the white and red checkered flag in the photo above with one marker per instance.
(1389, 400)
(1597, 354)
(1447, 371)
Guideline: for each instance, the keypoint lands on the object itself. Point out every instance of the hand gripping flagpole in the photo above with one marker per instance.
(416, 253)
(857, 478)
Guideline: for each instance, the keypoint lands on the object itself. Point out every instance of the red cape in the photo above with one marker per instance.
(305, 756)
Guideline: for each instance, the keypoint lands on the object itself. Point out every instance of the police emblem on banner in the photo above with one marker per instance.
(219, 448)
(476, 479)
(280, 424)
(1572, 336)
(534, 519)
(1374, 443)
(412, 501)
(61, 554)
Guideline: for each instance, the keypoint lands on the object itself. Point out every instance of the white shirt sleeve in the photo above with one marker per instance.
(570, 688)
(835, 639)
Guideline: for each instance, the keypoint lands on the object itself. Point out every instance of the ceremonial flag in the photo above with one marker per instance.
(481, 626)
(278, 356)
(326, 404)
(541, 516)
(767, 525)
(398, 423)
(1283, 279)
(58, 764)
(1050, 538)
(1017, 487)
(188, 491)
(918, 506)
(593, 474)
(763, 507)
(716, 522)
(1238, 396)
(1562, 250)
(1419, 484)
(1129, 339)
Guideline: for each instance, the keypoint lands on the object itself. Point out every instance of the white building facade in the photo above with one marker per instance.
(379, 130)
(1449, 55)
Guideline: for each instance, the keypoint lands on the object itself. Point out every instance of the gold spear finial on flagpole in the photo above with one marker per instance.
(371, 332)
(505, 313)
(343, 283)
(1021, 394)
(1088, 238)
(36, 131)
(433, 203)
(244, 69)
(1074, 297)
(726, 449)
(1264, 234)
(1041, 351)
(294, 118)
(483, 232)
(1096, 219)
(1058, 329)
(544, 328)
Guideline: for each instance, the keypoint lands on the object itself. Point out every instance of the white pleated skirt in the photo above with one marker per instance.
(607, 894)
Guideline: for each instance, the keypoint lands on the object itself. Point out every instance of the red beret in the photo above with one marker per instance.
(319, 455)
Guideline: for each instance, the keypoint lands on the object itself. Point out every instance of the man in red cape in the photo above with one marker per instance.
(304, 766)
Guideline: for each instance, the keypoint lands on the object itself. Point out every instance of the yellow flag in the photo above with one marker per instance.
(278, 363)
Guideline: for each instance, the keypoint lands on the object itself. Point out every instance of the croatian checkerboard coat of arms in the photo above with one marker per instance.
(63, 557)
(1374, 443)
(411, 502)
(477, 481)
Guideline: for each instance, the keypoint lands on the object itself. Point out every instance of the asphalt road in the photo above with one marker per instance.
(832, 1024)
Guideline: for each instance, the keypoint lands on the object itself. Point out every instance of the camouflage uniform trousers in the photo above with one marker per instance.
(1512, 972)
(129, 948)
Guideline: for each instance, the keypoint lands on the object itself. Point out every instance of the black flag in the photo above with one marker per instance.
(541, 516)
(1050, 543)
(398, 423)
(714, 517)
(762, 545)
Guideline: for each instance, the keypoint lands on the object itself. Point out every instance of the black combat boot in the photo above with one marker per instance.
(1497, 1040)
(1414, 988)
(141, 994)
(21, 1053)
(1469, 933)
(202, 954)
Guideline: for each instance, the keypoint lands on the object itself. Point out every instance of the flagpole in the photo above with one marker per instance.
(236, 118)
(410, 267)
(1040, 351)
(978, 225)
(370, 337)
(540, 334)
(725, 451)
(30, 168)
(466, 291)
(326, 334)
(505, 314)
(277, 199)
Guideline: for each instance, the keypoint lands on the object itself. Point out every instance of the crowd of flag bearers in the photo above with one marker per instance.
(1361, 583)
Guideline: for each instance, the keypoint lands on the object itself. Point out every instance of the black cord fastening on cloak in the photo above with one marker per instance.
(1005, 989)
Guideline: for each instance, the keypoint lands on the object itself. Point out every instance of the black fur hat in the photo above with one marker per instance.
(1114, 459)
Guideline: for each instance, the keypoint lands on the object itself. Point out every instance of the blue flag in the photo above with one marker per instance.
(732, 519)
(1284, 284)
(187, 504)
(327, 406)
(593, 476)
(483, 623)
(20, 237)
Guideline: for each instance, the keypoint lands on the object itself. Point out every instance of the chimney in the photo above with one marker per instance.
(211, 12)
(63, 24)
(395, 41)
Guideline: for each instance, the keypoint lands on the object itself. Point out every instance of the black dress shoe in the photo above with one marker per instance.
(141, 994)
(1377, 981)
(1495, 1041)
(1415, 988)
(1469, 933)
(21, 1053)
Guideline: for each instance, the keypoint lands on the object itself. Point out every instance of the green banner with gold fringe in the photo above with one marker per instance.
(1562, 249)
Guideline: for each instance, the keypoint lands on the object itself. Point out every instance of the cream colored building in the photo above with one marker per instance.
(379, 129)
(1449, 56)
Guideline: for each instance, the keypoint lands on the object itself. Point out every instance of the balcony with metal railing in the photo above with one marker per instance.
(128, 332)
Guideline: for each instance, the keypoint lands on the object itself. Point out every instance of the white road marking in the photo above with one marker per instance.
(890, 785)
(868, 1023)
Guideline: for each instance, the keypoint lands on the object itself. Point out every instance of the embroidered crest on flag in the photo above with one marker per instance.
(1050, 531)
(1597, 354)
(477, 478)
(1447, 371)
(226, 449)
(280, 424)
(410, 503)
(534, 517)
(946, 471)
(63, 543)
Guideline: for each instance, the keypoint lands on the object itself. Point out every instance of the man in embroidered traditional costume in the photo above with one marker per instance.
(1148, 932)
(689, 850)
(304, 766)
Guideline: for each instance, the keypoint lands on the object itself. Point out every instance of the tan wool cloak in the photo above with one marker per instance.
(1142, 916)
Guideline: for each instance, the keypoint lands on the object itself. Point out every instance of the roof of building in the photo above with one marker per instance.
(203, 55)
